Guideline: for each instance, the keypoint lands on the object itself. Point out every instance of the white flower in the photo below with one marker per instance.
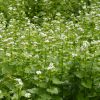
(63, 37)
(27, 29)
(80, 29)
(98, 15)
(97, 28)
(0, 36)
(14, 9)
(19, 81)
(36, 56)
(47, 41)
(10, 8)
(24, 43)
(85, 45)
(8, 54)
(10, 33)
(43, 34)
(95, 42)
(1, 49)
(84, 7)
(38, 72)
(51, 31)
(27, 95)
(35, 43)
(58, 14)
(57, 29)
(10, 25)
(8, 39)
(0, 91)
(35, 16)
(11, 42)
(45, 19)
(74, 55)
(51, 66)
(27, 55)
(22, 37)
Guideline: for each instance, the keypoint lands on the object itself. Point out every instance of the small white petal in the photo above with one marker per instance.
(38, 72)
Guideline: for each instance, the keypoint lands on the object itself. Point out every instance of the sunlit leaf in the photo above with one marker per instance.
(53, 90)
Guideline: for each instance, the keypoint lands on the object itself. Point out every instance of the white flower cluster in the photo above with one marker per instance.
(46, 41)
(1, 49)
(0, 36)
(58, 14)
(85, 45)
(8, 39)
(95, 42)
(74, 54)
(27, 95)
(19, 81)
(63, 37)
(51, 66)
(8, 54)
(80, 29)
(43, 34)
(10, 8)
(38, 72)
(27, 55)
(0, 91)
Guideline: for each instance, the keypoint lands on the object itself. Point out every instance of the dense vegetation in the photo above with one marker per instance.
(49, 50)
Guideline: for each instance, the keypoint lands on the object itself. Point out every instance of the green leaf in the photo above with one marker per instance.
(1, 95)
(42, 85)
(87, 84)
(56, 81)
(33, 90)
(78, 74)
(53, 90)
(45, 97)
(81, 96)
(23, 92)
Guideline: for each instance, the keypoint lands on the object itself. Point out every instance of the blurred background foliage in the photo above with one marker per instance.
(43, 8)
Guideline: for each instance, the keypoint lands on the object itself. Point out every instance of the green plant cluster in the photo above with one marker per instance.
(57, 60)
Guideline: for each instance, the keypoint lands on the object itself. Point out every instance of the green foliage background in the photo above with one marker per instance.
(49, 50)
(44, 8)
